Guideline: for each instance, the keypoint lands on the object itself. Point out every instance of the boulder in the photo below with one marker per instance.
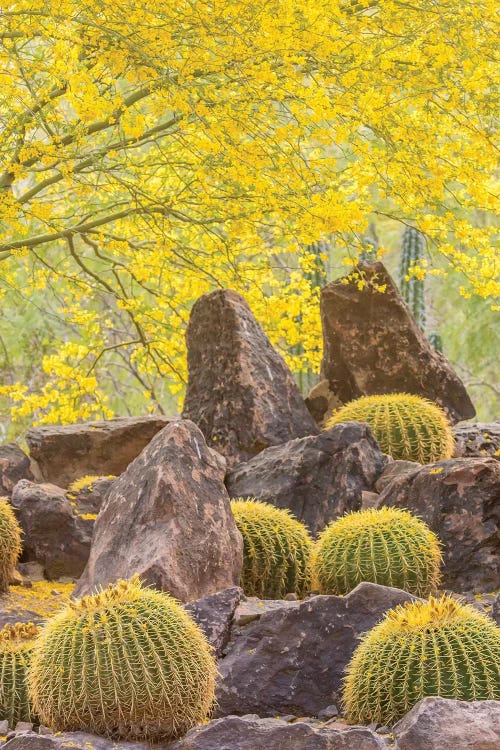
(450, 725)
(88, 499)
(372, 344)
(14, 465)
(495, 609)
(167, 518)
(460, 500)
(63, 453)
(254, 733)
(214, 614)
(53, 535)
(318, 477)
(292, 660)
(479, 439)
(240, 392)
(321, 401)
(393, 470)
(70, 741)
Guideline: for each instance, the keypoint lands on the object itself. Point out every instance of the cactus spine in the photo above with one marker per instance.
(16, 643)
(412, 288)
(10, 543)
(387, 546)
(440, 647)
(276, 550)
(405, 426)
(126, 662)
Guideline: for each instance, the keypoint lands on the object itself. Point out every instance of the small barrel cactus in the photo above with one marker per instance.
(10, 543)
(126, 662)
(440, 647)
(405, 426)
(276, 550)
(387, 546)
(16, 643)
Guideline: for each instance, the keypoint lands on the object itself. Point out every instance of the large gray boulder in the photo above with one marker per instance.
(53, 534)
(167, 518)
(318, 478)
(292, 660)
(62, 453)
(214, 614)
(254, 733)
(443, 724)
(460, 500)
(240, 392)
(70, 741)
(372, 344)
(14, 465)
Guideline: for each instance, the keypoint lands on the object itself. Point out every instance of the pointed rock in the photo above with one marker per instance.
(167, 518)
(240, 392)
(372, 344)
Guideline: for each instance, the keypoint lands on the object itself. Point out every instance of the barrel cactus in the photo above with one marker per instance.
(387, 546)
(440, 647)
(10, 543)
(127, 662)
(16, 643)
(276, 550)
(405, 426)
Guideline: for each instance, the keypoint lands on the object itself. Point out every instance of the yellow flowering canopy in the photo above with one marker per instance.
(150, 152)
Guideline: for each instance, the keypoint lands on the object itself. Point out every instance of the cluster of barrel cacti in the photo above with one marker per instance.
(276, 550)
(405, 426)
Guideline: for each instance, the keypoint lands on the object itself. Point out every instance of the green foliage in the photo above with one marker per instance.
(439, 647)
(412, 288)
(10, 543)
(405, 426)
(127, 662)
(387, 546)
(16, 643)
(276, 550)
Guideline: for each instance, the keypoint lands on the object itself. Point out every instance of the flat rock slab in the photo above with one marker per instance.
(254, 733)
(318, 478)
(240, 392)
(167, 519)
(460, 500)
(292, 660)
(63, 453)
(443, 724)
(70, 741)
(372, 344)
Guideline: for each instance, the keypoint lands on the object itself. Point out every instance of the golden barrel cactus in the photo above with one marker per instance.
(10, 543)
(16, 644)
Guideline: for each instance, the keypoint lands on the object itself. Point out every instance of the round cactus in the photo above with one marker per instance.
(10, 543)
(440, 647)
(127, 662)
(276, 550)
(16, 643)
(405, 426)
(387, 546)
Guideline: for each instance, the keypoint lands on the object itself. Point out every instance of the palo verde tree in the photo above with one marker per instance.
(150, 153)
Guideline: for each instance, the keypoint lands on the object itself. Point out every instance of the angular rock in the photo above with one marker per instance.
(253, 733)
(167, 518)
(70, 741)
(393, 470)
(292, 660)
(63, 453)
(495, 610)
(214, 614)
(479, 439)
(14, 465)
(371, 344)
(240, 392)
(321, 401)
(53, 535)
(460, 500)
(319, 477)
(450, 725)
